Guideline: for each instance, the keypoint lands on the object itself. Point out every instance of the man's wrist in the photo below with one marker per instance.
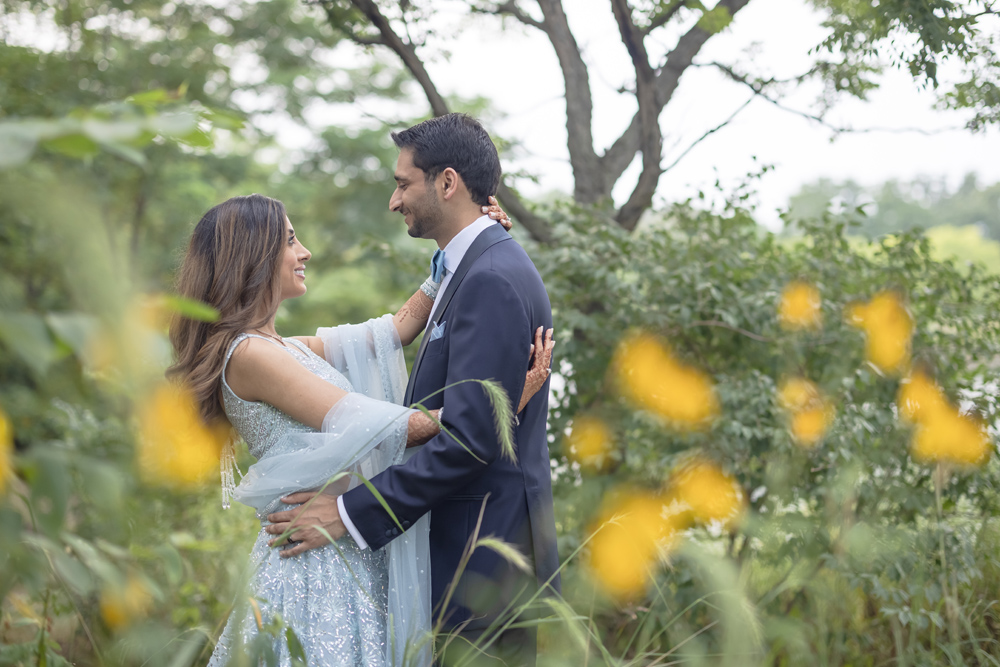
(349, 525)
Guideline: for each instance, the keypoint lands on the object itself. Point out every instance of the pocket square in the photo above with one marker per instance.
(437, 331)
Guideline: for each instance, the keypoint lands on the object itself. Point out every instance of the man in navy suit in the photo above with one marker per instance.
(490, 303)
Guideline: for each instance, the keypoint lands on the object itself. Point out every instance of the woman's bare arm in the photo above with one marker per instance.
(412, 317)
(260, 371)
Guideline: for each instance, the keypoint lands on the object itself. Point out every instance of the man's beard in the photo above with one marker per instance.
(425, 217)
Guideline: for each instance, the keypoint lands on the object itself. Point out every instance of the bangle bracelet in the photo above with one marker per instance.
(440, 416)
(430, 288)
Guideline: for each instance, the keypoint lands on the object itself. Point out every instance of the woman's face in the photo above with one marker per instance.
(293, 265)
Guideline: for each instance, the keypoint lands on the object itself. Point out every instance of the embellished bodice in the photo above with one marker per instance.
(259, 424)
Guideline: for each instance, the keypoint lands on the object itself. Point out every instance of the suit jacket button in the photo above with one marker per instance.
(406, 524)
(388, 532)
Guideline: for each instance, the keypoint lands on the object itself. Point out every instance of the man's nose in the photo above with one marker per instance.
(395, 201)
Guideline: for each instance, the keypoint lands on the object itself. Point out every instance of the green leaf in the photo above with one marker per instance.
(151, 98)
(126, 152)
(174, 125)
(195, 310)
(111, 131)
(73, 329)
(197, 139)
(76, 145)
(73, 573)
(223, 119)
(715, 20)
(295, 650)
(27, 336)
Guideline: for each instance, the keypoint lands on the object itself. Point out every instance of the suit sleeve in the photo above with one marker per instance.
(489, 338)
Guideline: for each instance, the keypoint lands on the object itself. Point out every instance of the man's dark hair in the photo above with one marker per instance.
(457, 141)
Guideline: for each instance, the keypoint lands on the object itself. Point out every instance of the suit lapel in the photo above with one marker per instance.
(489, 237)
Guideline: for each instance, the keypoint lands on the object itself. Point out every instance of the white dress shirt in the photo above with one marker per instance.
(454, 252)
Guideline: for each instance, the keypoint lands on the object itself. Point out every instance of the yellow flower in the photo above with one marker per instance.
(708, 492)
(800, 306)
(6, 450)
(888, 329)
(942, 434)
(947, 436)
(589, 442)
(919, 396)
(810, 425)
(123, 605)
(631, 533)
(655, 380)
(797, 393)
(176, 447)
(809, 412)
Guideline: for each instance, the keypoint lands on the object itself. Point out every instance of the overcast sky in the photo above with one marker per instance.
(519, 71)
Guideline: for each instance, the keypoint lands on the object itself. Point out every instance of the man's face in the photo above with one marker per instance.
(415, 198)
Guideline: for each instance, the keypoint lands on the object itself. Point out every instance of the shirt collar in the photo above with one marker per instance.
(455, 251)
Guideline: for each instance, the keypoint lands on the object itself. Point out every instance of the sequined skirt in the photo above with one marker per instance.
(335, 601)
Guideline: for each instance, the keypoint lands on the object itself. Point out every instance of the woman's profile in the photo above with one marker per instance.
(310, 409)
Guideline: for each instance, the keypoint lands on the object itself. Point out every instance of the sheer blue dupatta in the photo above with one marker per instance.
(364, 433)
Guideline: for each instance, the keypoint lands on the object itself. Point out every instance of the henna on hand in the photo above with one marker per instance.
(539, 371)
(421, 428)
(497, 213)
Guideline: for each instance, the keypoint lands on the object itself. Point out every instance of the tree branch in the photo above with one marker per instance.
(511, 8)
(404, 49)
(664, 18)
(651, 139)
(618, 157)
(590, 185)
(759, 87)
(707, 134)
(536, 226)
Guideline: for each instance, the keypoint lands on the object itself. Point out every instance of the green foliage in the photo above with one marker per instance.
(842, 551)
(895, 207)
(921, 37)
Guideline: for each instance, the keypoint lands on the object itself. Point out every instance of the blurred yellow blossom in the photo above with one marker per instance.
(942, 433)
(708, 492)
(797, 393)
(176, 447)
(888, 329)
(800, 306)
(589, 442)
(650, 375)
(949, 437)
(123, 605)
(630, 535)
(919, 396)
(810, 413)
(6, 450)
(810, 425)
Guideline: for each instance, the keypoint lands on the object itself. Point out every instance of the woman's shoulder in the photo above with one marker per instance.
(252, 359)
(314, 343)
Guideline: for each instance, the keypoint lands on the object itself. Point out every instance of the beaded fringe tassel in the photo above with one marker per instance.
(227, 465)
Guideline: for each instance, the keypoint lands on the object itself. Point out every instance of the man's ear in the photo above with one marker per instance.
(450, 182)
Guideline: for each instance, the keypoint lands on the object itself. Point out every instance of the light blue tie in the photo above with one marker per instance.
(437, 266)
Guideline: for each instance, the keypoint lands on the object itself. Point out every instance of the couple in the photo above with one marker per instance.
(313, 408)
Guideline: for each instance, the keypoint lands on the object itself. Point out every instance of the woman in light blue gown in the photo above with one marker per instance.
(310, 409)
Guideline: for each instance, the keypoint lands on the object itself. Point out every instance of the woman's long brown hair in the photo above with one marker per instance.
(232, 265)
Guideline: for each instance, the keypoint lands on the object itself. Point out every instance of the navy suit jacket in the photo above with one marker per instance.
(490, 311)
